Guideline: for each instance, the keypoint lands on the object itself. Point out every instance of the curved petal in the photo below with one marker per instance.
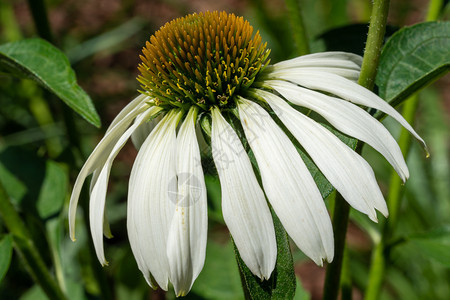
(186, 244)
(140, 134)
(98, 193)
(348, 73)
(348, 118)
(139, 100)
(323, 59)
(288, 184)
(350, 91)
(150, 208)
(97, 159)
(347, 171)
(244, 206)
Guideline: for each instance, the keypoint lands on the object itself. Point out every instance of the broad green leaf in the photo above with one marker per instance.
(34, 293)
(435, 244)
(282, 283)
(219, 278)
(53, 190)
(413, 57)
(39, 60)
(301, 293)
(37, 185)
(5, 255)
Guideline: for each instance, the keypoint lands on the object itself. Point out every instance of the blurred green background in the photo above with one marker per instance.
(103, 40)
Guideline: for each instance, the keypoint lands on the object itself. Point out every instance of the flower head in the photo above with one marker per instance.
(210, 66)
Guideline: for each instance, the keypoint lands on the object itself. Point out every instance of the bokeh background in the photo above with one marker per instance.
(103, 40)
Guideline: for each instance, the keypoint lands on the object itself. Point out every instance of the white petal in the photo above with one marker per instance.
(140, 134)
(244, 206)
(98, 193)
(347, 171)
(138, 101)
(323, 59)
(186, 245)
(288, 184)
(97, 159)
(150, 208)
(348, 118)
(350, 91)
(350, 74)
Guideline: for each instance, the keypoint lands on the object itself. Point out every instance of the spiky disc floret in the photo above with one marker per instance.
(203, 59)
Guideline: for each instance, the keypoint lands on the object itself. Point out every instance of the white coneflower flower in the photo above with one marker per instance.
(211, 65)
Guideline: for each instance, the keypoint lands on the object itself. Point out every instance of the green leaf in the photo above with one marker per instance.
(39, 60)
(37, 185)
(53, 190)
(219, 278)
(282, 283)
(434, 244)
(301, 293)
(5, 255)
(414, 57)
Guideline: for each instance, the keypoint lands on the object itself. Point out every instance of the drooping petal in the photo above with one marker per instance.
(351, 91)
(348, 73)
(323, 59)
(98, 193)
(98, 158)
(288, 184)
(348, 118)
(141, 133)
(186, 245)
(347, 171)
(150, 208)
(138, 101)
(244, 206)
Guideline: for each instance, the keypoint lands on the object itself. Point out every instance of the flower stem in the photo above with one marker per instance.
(340, 220)
(26, 248)
(374, 43)
(381, 252)
(298, 27)
(39, 12)
(434, 9)
(341, 212)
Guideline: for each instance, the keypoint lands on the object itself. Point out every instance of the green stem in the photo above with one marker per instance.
(434, 10)
(346, 280)
(39, 12)
(381, 251)
(333, 275)
(40, 18)
(374, 44)
(24, 245)
(298, 27)
(380, 254)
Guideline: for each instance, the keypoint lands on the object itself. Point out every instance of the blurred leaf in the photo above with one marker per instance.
(5, 255)
(282, 282)
(39, 186)
(34, 293)
(39, 60)
(414, 57)
(219, 278)
(300, 292)
(105, 41)
(53, 190)
(214, 198)
(434, 244)
(350, 38)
